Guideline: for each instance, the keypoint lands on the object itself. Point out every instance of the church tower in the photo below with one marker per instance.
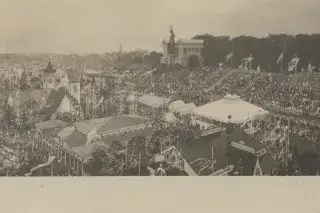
(49, 77)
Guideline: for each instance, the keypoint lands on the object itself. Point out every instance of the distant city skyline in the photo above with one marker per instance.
(98, 26)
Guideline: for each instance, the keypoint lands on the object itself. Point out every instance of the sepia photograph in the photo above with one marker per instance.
(159, 88)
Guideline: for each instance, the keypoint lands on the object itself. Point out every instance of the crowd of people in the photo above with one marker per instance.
(294, 94)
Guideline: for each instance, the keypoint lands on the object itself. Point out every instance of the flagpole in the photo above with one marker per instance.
(139, 162)
(212, 159)
(126, 153)
(231, 61)
(122, 165)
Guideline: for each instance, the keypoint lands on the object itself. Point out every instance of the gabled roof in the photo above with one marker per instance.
(50, 124)
(54, 100)
(51, 127)
(223, 154)
(112, 123)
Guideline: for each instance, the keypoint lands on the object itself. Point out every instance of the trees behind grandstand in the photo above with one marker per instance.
(265, 51)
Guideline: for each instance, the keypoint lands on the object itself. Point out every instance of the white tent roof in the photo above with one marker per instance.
(240, 110)
(174, 105)
(153, 101)
(186, 108)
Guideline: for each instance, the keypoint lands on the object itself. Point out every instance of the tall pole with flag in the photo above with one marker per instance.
(280, 60)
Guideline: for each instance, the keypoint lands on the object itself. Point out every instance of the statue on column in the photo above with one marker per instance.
(171, 43)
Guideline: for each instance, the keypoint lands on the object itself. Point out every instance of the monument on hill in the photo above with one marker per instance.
(178, 52)
(171, 47)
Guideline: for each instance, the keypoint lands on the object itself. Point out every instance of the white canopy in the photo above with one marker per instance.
(239, 110)
(153, 101)
(186, 108)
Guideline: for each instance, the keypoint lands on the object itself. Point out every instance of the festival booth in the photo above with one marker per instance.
(231, 108)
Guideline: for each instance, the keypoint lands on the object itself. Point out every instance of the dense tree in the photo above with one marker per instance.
(23, 82)
(265, 51)
(193, 61)
(97, 162)
(153, 58)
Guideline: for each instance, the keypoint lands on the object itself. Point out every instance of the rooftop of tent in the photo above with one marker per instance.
(239, 110)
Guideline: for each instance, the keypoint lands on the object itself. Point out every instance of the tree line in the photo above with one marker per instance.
(265, 51)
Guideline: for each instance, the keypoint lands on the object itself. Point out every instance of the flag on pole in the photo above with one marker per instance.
(293, 64)
(258, 68)
(247, 59)
(280, 58)
(229, 57)
(310, 68)
(91, 135)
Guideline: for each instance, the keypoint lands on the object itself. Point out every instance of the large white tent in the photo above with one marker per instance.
(239, 110)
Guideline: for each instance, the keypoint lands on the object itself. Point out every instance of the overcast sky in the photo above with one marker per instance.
(88, 26)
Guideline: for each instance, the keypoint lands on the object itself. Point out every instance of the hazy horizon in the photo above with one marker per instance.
(99, 26)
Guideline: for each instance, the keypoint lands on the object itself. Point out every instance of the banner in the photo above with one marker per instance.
(280, 58)
(293, 64)
(229, 57)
